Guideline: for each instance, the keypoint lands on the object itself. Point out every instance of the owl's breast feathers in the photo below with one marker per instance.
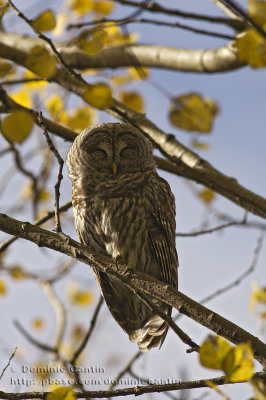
(139, 229)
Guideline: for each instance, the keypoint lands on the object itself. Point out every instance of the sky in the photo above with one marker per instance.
(207, 262)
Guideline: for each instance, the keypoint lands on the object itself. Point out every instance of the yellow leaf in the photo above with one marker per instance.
(98, 96)
(258, 295)
(17, 126)
(4, 7)
(41, 371)
(22, 97)
(81, 119)
(251, 48)
(207, 195)
(138, 73)
(41, 62)
(37, 324)
(82, 298)
(82, 7)
(213, 351)
(56, 107)
(103, 7)
(78, 296)
(132, 100)
(259, 389)
(257, 10)
(35, 85)
(26, 192)
(115, 35)
(200, 145)
(118, 80)
(17, 272)
(5, 68)
(3, 288)
(94, 42)
(44, 195)
(192, 112)
(45, 21)
(77, 332)
(60, 24)
(238, 363)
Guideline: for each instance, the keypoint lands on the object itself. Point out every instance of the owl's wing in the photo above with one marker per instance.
(162, 231)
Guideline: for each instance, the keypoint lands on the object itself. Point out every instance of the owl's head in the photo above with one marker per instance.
(107, 151)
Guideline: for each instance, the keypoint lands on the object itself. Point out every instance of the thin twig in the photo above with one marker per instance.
(118, 22)
(246, 16)
(89, 332)
(34, 341)
(8, 363)
(243, 275)
(60, 160)
(59, 311)
(147, 381)
(157, 8)
(24, 80)
(125, 370)
(211, 230)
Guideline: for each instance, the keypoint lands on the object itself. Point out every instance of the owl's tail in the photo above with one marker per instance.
(152, 334)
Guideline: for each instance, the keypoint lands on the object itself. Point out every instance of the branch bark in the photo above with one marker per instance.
(222, 59)
(136, 280)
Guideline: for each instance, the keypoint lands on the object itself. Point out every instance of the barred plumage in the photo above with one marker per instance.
(124, 209)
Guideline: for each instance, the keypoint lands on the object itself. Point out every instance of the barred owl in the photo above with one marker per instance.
(124, 209)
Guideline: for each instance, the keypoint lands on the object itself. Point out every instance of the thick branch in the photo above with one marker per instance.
(135, 280)
(15, 47)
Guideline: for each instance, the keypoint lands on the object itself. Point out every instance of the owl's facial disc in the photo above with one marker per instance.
(109, 154)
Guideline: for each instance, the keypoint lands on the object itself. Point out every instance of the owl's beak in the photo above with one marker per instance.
(114, 168)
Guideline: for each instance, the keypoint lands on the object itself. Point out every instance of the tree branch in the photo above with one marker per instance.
(136, 280)
(137, 390)
(158, 8)
(16, 47)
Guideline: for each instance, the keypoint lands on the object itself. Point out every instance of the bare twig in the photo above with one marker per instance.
(157, 8)
(234, 6)
(126, 369)
(34, 341)
(243, 275)
(59, 311)
(8, 363)
(227, 10)
(24, 80)
(137, 390)
(118, 22)
(211, 230)
(89, 332)
(60, 160)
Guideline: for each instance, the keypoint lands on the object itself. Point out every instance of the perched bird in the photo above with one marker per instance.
(124, 209)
